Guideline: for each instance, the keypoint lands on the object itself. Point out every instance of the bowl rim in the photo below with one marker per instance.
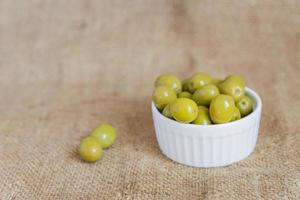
(248, 92)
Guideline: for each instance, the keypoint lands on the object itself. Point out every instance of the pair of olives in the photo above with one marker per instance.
(102, 137)
(202, 99)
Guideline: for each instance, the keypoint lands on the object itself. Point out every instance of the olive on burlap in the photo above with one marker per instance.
(66, 66)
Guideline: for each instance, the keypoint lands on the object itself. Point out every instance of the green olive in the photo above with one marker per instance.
(170, 81)
(106, 135)
(204, 95)
(90, 149)
(245, 105)
(236, 78)
(184, 110)
(162, 96)
(232, 88)
(216, 81)
(198, 80)
(221, 109)
(185, 94)
(166, 111)
(236, 114)
(203, 116)
(184, 84)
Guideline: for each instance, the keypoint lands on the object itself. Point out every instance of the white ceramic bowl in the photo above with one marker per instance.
(208, 146)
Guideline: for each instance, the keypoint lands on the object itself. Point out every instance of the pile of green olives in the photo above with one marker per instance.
(102, 137)
(202, 99)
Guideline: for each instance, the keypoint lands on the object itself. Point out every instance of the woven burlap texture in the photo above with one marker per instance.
(66, 66)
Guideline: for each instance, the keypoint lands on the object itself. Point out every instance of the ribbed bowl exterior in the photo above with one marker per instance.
(208, 146)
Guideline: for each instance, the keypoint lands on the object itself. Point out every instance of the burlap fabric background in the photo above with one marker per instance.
(66, 66)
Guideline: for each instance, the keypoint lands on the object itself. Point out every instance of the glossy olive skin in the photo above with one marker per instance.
(184, 84)
(170, 81)
(198, 80)
(166, 111)
(236, 114)
(185, 94)
(162, 96)
(105, 134)
(245, 105)
(90, 149)
(204, 95)
(221, 109)
(236, 78)
(184, 110)
(203, 116)
(232, 88)
(216, 81)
